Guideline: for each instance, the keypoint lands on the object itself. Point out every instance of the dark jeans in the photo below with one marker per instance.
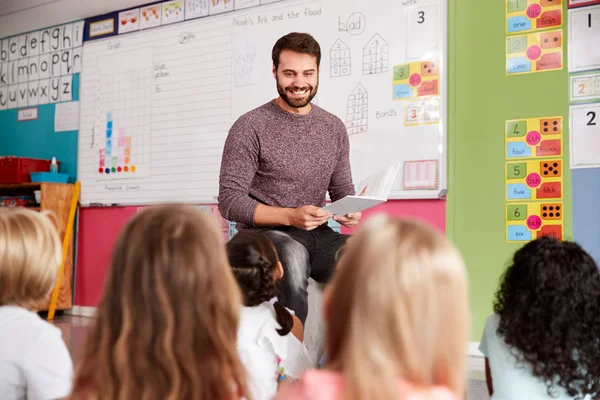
(304, 254)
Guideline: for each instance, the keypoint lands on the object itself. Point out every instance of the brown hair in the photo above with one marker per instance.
(30, 256)
(167, 325)
(299, 43)
(397, 309)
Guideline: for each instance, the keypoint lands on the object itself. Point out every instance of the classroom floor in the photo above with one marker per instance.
(74, 331)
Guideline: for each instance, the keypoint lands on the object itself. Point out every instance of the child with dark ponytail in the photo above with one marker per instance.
(269, 335)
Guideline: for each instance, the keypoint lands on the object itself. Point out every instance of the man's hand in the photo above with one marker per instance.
(348, 220)
(308, 217)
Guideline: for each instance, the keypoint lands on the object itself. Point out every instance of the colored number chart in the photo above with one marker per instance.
(585, 87)
(532, 15)
(534, 52)
(528, 221)
(534, 138)
(424, 111)
(417, 79)
(534, 180)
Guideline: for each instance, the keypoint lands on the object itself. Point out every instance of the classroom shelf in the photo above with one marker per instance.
(56, 198)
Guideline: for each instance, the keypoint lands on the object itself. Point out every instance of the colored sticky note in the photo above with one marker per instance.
(402, 91)
(517, 150)
(516, 44)
(518, 24)
(401, 72)
(518, 191)
(518, 233)
(517, 65)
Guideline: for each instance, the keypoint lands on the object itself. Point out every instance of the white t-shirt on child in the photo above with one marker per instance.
(35, 363)
(259, 346)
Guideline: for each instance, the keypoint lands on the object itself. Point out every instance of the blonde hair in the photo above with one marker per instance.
(30, 256)
(167, 324)
(397, 309)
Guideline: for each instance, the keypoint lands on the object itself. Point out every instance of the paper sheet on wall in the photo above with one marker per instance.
(66, 116)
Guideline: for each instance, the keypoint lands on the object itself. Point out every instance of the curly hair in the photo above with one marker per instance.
(254, 259)
(549, 302)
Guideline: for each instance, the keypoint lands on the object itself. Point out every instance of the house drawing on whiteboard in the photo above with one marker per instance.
(340, 59)
(375, 56)
(357, 110)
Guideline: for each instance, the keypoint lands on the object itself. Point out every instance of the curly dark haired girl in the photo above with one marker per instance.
(269, 335)
(544, 339)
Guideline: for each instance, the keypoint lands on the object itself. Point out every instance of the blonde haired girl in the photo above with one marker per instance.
(397, 318)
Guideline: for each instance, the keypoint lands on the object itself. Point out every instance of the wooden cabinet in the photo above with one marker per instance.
(56, 198)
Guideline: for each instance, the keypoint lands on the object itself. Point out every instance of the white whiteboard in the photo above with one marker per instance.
(168, 95)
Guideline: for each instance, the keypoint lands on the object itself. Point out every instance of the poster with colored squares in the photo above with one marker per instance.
(529, 221)
(417, 79)
(534, 138)
(534, 52)
(172, 11)
(122, 130)
(533, 15)
(118, 156)
(534, 180)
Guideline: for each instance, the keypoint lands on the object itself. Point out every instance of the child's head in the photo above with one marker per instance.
(30, 256)
(257, 268)
(167, 324)
(397, 307)
(548, 302)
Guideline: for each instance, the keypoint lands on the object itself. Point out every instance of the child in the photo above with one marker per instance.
(397, 317)
(34, 361)
(543, 340)
(269, 336)
(166, 326)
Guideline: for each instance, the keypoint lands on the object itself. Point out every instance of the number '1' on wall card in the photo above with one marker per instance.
(529, 221)
(534, 137)
(534, 180)
(584, 31)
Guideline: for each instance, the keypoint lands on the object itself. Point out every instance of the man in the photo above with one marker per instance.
(279, 161)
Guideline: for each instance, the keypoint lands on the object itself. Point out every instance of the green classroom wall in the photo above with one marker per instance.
(481, 99)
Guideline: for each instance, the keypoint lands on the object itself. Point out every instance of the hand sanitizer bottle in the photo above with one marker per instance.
(53, 166)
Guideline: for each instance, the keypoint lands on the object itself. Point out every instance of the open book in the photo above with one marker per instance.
(372, 191)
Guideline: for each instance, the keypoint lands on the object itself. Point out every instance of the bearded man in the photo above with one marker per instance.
(279, 161)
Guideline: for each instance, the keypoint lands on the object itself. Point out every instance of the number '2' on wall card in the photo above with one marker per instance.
(584, 87)
(533, 15)
(585, 135)
(534, 137)
(534, 180)
(529, 221)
